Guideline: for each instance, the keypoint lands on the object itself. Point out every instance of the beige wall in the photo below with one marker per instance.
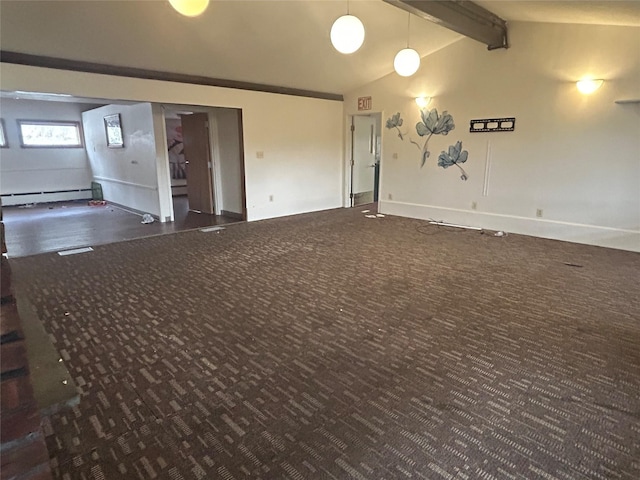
(301, 139)
(575, 157)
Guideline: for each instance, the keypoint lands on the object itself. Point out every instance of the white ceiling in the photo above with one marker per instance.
(272, 42)
(608, 12)
(281, 43)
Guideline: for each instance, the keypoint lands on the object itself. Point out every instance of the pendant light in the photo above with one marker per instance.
(189, 8)
(347, 33)
(407, 60)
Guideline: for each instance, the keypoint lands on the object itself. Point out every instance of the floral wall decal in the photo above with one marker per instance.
(455, 156)
(395, 121)
(433, 124)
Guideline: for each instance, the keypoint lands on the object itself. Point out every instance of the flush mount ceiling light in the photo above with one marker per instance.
(347, 33)
(407, 60)
(588, 85)
(189, 8)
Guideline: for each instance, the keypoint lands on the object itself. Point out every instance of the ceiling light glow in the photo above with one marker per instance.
(189, 8)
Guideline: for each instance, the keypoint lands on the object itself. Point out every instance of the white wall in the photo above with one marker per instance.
(301, 138)
(575, 157)
(35, 170)
(128, 175)
(163, 173)
(228, 155)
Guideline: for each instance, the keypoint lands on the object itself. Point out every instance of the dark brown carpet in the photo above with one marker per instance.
(334, 346)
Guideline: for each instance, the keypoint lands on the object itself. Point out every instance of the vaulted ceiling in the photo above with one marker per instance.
(281, 43)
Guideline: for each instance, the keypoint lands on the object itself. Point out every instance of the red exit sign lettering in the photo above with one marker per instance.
(364, 103)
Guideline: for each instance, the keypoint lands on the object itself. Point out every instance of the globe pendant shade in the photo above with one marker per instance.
(407, 62)
(347, 34)
(189, 8)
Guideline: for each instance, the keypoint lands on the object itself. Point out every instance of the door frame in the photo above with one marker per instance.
(348, 163)
(214, 153)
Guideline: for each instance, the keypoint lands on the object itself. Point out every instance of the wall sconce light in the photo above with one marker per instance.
(407, 60)
(423, 101)
(347, 33)
(189, 8)
(588, 86)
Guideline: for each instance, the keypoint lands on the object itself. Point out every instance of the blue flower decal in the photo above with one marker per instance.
(396, 122)
(455, 156)
(434, 124)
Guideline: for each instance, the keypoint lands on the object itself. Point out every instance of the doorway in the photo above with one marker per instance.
(206, 161)
(366, 148)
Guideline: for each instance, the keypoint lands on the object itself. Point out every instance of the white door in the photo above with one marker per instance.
(364, 159)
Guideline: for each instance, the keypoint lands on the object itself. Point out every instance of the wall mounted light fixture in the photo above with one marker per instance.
(189, 8)
(423, 101)
(588, 85)
(407, 60)
(347, 33)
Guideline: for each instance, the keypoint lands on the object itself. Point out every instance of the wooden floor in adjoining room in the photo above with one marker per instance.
(52, 227)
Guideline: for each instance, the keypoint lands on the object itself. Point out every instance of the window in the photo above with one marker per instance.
(49, 134)
(3, 137)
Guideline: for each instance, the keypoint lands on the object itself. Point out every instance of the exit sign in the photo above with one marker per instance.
(364, 103)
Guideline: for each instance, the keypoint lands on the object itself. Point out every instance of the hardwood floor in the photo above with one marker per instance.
(51, 227)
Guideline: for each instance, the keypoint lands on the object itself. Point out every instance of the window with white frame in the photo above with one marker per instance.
(49, 134)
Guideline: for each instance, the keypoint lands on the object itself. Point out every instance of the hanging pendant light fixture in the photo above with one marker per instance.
(189, 8)
(347, 33)
(407, 60)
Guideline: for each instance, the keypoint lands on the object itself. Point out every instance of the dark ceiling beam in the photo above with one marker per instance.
(461, 16)
(104, 69)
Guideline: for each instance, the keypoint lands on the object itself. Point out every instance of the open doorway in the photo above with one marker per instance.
(206, 163)
(366, 147)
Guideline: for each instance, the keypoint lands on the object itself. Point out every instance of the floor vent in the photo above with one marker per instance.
(75, 250)
(211, 229)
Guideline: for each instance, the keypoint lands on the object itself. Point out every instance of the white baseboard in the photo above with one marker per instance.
(45, 197)
(537, 227)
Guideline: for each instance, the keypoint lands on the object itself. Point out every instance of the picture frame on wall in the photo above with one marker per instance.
(113, 129)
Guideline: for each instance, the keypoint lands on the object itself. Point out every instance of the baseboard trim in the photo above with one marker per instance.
(12, 199)
(135, 211)
(622, 239)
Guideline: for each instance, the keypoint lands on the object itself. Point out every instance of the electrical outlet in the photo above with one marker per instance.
(390, 197)
(395, 156)
(260, 154)
(474, 205)
(539, 213)
(271, 198)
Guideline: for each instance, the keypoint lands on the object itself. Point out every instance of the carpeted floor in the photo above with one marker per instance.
(334, 346)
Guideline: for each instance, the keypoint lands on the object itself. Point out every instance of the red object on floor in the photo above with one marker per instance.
(97, 203)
